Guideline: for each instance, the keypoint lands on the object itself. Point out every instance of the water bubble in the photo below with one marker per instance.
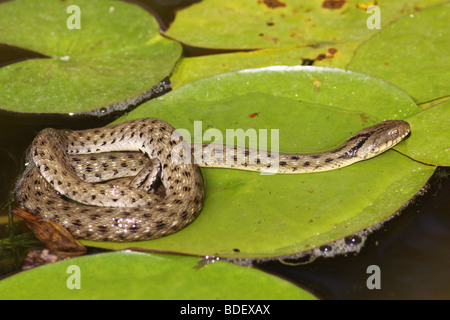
(326, 248)
(353, 240)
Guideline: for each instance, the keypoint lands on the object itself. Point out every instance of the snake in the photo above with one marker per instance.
(139, 180)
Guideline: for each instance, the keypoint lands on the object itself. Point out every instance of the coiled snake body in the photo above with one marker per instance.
(89, 167)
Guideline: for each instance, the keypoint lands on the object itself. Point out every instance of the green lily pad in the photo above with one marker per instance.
(128, 275)
(117, 55)
(248, 215)
(409, 53)
(429, 142)
(281, 23)
(189, 69)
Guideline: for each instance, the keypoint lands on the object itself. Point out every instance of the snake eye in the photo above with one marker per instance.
(394, 133)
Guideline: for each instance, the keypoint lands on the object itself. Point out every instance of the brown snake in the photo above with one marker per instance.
(81, 165)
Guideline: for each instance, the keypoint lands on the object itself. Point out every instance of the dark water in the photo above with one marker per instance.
(412, 250)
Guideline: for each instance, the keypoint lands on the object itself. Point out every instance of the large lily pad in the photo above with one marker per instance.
(248, 215)
(128, 275)
(281, 23)
(116, 55)
(409, 53)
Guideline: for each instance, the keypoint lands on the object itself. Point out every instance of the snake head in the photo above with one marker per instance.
(376, 139)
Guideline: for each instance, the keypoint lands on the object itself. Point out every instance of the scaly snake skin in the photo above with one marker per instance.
(90, 168)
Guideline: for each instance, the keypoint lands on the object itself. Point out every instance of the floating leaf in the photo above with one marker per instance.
(248, 215)
(128, 275)
(410, 53)
(281, 23)
(189, 69)
(429, 141)
(116, 55)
